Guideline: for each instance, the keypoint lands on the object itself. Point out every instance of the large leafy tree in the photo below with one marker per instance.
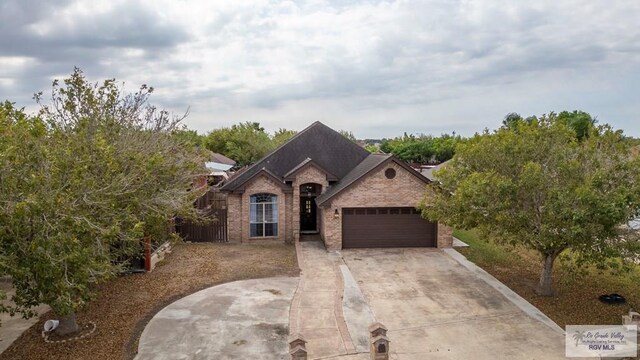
(281, 136)
(422, 149)
(245, 142)
(582, 123)
(81, 184)
(542, 188)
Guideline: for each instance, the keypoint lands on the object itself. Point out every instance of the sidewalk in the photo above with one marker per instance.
(321, 303)
(11, 327)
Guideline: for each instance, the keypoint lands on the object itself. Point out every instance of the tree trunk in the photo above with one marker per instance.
(545, 288)
(67, 325)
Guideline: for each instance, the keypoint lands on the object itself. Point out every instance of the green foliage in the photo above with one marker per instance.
(542, 188)
(580, 122)
(424, 149)
(188, 137)
(81, 184)
(511, 120)
(245, 142)
(348, 134)
(484, 252)
(372, 148)
(281, 136)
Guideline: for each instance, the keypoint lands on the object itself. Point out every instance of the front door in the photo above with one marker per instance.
(308, 213)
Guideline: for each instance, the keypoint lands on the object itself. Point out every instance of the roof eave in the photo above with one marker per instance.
(303, 165)
(322, 201)
(240, 188)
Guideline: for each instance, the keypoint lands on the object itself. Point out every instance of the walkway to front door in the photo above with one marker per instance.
(331, 325)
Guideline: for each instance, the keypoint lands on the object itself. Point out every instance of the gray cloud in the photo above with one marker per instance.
(380, 67)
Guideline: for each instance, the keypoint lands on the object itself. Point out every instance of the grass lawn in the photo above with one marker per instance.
(124, 305)
(576, 302)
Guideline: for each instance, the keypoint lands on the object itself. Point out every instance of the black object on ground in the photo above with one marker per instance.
(612, 299)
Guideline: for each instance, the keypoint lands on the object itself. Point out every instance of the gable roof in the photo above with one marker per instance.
(303, 165)
(331, 151)
(372, 162)
(269, 175)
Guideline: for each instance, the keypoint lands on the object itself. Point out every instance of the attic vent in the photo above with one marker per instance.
(390, 173)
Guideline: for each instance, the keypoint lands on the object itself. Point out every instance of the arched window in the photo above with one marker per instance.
(264, 215)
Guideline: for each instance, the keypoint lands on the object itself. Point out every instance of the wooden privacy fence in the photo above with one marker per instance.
(214, 204)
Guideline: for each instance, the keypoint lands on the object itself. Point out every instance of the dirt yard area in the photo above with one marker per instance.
(122, 307)
(576, 301)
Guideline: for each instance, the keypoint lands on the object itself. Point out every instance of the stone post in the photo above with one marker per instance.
(297, 347)
(379, 342)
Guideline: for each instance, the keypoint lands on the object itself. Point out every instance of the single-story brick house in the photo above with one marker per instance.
(320, 182)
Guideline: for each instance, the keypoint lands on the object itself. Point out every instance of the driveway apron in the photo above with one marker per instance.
(239, 320)
(436, 308)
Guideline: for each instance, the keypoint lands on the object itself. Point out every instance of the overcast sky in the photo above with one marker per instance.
(377, 68)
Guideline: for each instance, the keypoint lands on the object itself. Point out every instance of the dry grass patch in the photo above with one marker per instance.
(576, 301)
(123, 307)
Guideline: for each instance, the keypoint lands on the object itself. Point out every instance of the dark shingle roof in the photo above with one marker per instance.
(325, 146)
(368, 164)
(221, 159)
(428, 173)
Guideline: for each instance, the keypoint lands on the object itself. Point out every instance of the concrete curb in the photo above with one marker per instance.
(339, 312)
(516, 299)
(357, 313)
(294, 308)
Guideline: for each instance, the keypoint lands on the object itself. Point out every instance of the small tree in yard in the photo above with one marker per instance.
(80, 185)
(541, 187)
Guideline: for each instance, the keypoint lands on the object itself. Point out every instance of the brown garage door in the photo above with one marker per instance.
(386, 227)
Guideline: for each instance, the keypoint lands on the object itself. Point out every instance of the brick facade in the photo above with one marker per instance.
(234, 217)
(445, 236)
(238, 218)
(375, 190)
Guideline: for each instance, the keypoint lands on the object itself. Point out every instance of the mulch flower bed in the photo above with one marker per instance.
(123, 306)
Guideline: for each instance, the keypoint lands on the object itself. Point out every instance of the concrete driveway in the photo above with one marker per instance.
(435, 308)
(240, 320)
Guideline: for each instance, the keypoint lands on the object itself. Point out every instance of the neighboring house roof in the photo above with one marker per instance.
(221, 159)
(328, 149)
(216, 166)
(428, 173)
(372, 162)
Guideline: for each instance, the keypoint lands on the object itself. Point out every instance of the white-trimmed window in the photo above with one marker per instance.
(264, 215)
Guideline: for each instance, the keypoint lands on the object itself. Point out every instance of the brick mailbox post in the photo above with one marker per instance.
(297, 347)
(379, 342)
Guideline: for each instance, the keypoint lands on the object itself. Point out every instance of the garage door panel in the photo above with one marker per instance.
(386, 227)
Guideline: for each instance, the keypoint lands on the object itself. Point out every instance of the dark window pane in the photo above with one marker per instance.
(394, 211)
(382, 211)
(359, 211)
(406, 211)
(257, 230)
(371, 211)
(271, 229)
